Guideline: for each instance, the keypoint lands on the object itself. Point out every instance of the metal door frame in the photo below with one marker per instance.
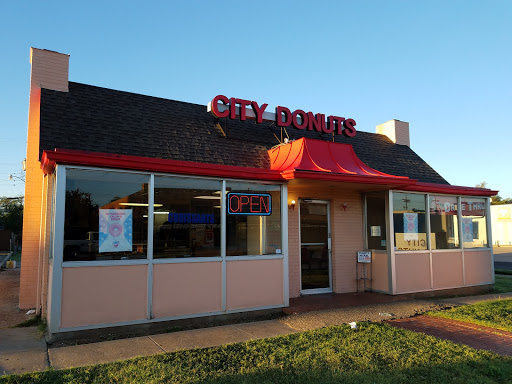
(329, 247)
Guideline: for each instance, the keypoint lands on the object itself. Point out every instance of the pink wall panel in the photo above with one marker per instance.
(188, 288)
(478, 267)
(412, 272)
(100, 295)
(254, 283)
(293, 250)
(347, 238)
(447, 269)
(379, 267)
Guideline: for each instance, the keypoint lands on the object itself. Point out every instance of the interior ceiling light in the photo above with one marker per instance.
(207, 197)
(140, 205)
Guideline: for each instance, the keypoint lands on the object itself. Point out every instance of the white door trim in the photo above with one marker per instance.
(329, 246)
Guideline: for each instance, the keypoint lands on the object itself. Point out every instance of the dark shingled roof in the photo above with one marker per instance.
(97, 119)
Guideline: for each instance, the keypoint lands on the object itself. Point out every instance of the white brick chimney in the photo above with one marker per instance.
(396, 130)
(49, 70)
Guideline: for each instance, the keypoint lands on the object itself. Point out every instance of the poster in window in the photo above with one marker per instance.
(467, 229)
(115, 234)
(410, 226)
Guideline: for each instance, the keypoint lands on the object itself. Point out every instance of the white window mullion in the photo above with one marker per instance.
(58, 248)
(223, 242)
(151, 219)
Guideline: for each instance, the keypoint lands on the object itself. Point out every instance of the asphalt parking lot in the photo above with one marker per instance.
(503, 257)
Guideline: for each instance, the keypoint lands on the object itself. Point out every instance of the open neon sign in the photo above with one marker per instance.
(249, 204)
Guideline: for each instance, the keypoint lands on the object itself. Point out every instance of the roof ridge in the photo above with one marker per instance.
(135, 93)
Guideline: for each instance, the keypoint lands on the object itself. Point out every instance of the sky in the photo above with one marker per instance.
(443, 66)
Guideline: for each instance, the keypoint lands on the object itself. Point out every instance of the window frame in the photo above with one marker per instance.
(459, 222)
(391, 222)
(60, 200)
(142, 260)
(278, 210)
(458, 227)
(487, 222)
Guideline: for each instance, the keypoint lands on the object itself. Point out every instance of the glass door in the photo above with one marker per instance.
(315, 246)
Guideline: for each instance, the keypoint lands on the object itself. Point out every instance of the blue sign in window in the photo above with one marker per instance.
(191, 218)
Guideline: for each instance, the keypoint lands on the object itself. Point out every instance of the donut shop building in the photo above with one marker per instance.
(140, 209)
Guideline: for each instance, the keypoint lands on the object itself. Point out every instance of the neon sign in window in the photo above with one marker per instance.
(249, 204)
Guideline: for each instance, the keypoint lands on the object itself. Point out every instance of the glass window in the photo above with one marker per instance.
(376, 221)
(443, 222)
(187, 218)
(474, 226)
(409, 221)
(105, 215)
(257, 229)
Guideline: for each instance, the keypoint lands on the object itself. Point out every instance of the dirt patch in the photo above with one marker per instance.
(10, 313)
(375, 313)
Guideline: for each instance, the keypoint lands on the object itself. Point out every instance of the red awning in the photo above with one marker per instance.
(324, 160)
(321, 156)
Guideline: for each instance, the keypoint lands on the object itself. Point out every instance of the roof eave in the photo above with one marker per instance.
(451, 189)
(146, 164)
(106, 160)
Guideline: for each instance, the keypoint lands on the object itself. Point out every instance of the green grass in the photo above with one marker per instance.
(502, 284)
(494, 314)
(503, 272)
(372, 353)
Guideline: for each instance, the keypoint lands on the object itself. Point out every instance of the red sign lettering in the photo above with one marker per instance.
(249, 204)
(473, 208)
(299, 119)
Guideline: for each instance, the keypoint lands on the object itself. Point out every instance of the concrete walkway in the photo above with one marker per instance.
(21, 351)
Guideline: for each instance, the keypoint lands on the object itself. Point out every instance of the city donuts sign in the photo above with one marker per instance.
(222, 106)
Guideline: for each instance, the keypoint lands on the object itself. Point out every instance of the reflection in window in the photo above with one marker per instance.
(474, 229)
(186, 218)
(105, 215)
(443, 222)
(254, 234)
(409, 221)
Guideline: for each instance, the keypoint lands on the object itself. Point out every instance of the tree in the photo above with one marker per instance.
(495, 200)
(498, 200)
(11, 214)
